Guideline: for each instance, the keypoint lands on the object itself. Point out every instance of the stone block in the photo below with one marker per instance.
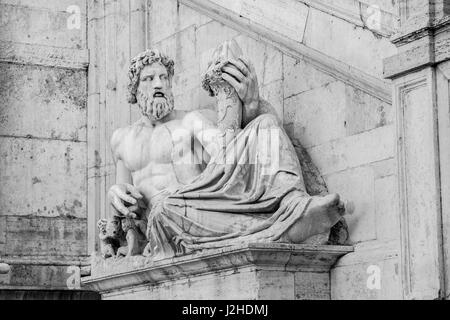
(41, 26)
(118, 64)
(164, 19)
(316, 116)
(301, 76)
(343, 41)
(386, 207)
(365, 112)
(357, 185)
(354, 151)
(137, 24)
(42, 177)
(186, 80)
(36, 276)
(267, 13)
(267, 60)
(279, 285)
(39, 236)
(227, 285)
(135, 113)
(384, 168)
(169, 17)
(372, 273)
(273, 93)
(188, 100)
(314, 286)
(181, 47)
(186, 89)
(388, 6)
(189, 17)
(56, 96)
(248, 271)
(210, 35)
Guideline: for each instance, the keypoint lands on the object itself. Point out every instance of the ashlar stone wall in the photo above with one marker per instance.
(321, 68)
(43, 118)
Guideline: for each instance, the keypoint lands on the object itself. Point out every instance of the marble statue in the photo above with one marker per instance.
(204, 179)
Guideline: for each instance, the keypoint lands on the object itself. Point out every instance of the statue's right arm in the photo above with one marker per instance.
(123, 196)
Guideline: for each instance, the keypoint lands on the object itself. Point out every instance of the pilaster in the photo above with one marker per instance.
(420, 84)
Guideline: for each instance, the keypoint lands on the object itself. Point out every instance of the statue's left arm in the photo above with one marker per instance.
(241, 75)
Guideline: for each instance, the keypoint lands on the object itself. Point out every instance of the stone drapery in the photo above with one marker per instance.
(254, 195)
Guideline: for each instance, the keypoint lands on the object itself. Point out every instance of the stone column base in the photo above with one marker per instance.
(250, 271)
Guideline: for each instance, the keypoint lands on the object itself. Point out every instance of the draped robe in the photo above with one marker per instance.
(251, 191)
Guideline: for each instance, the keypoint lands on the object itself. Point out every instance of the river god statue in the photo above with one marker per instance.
(208, 179)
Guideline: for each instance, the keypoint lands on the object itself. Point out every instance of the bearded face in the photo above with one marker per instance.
(154, 94)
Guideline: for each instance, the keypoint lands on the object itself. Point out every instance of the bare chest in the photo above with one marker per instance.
(143, 146)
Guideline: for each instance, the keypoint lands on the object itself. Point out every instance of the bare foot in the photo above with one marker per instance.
(147, 250)
(321, 214)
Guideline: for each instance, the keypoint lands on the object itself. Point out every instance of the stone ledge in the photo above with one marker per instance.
(42, 55)
(116, 276)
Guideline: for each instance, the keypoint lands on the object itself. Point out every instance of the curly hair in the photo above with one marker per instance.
(139, 62)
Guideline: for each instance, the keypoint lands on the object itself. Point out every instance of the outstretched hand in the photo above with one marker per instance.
(125, 200)
(241, 75)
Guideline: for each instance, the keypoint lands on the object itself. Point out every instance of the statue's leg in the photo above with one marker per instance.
(322, 213)
(159, 232)
(132, 241)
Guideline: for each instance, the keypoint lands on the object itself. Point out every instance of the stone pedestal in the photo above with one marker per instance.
(250, 271)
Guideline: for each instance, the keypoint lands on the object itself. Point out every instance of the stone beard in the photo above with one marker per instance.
(155, 107)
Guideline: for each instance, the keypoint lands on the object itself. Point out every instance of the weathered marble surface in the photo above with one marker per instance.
(247, 271)
(43, 142)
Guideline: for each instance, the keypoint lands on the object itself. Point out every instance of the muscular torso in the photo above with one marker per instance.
(154, 157)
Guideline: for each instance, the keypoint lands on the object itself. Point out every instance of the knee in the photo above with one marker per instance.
(267, 120)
